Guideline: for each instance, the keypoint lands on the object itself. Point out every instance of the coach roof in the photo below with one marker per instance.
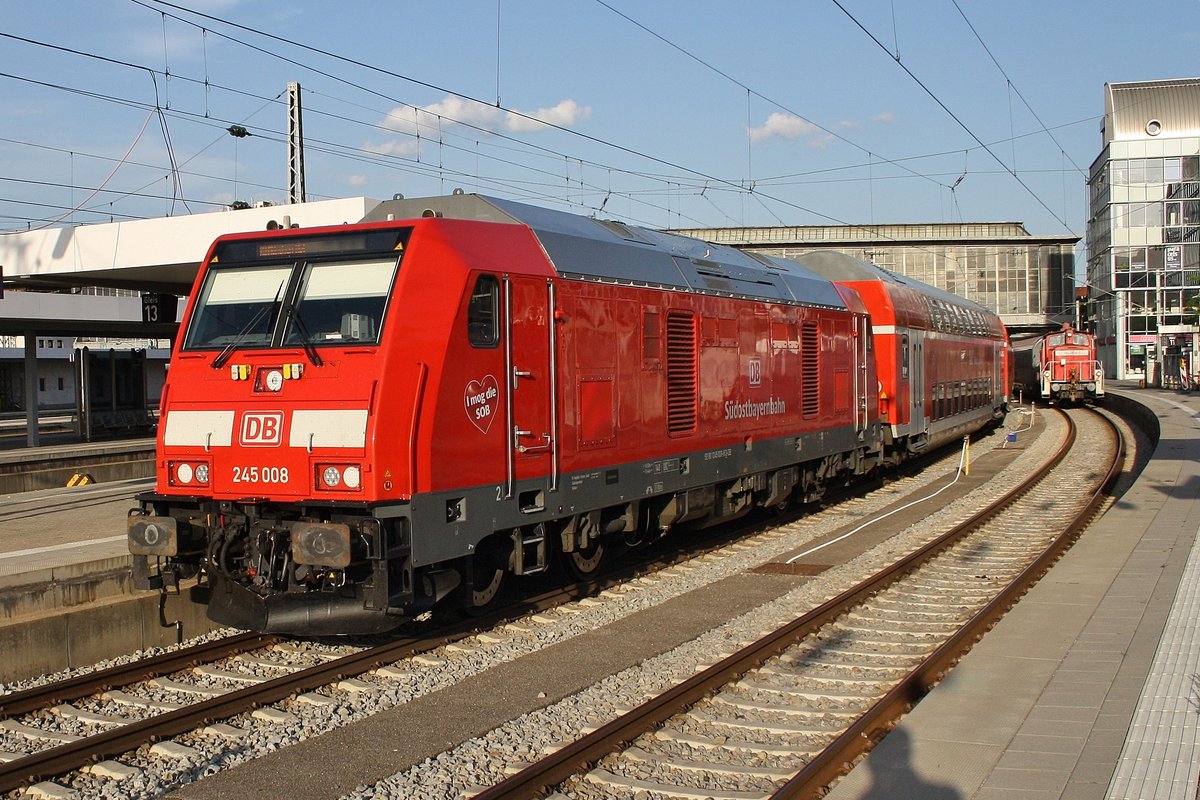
(837, 266)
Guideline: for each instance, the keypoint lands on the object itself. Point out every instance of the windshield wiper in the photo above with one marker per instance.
(292, 313)
(224, 355)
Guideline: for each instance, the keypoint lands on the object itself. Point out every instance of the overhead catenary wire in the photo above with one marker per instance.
(523, 190)
(381, 70)
(1045, 129)
(953, 116)
(731, 184)
(750, 91)
(209, 85)
(665, 197)
(103, 183)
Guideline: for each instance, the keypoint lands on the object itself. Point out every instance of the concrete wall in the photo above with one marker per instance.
(94, 632)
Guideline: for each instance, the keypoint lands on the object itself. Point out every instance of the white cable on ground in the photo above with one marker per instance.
(961, 460)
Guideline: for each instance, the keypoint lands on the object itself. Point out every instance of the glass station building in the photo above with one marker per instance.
(1029, 281)
(1143, 238)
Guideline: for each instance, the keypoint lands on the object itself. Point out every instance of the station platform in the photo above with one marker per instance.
(52, 465)
(1090, 686)
(66, 597)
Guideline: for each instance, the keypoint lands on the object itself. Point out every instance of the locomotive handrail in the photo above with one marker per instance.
(551, 322)
(422, 372)
(509, 380)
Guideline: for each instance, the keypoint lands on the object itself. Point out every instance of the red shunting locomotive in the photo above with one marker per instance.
(362, 421)
(1067, 368)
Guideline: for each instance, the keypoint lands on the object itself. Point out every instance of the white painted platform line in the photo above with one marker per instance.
(1161, 757)
(57, 548)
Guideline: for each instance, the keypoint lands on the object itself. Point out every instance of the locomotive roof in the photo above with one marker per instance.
(842, 267)
(613, 252)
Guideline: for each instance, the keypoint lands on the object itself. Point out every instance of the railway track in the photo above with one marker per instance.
(158, 697)
(785, 716)
(253, 676)
(51, 694)
(188, 689)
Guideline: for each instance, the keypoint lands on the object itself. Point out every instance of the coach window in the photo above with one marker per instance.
(483, 313)
(904, 357)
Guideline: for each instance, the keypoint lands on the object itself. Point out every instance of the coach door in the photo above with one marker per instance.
(918, 422)
(1002, 386)
(529, 348)
(862, 333)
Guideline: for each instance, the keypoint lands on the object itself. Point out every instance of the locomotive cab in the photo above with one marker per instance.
(267, 478)
(317, 374)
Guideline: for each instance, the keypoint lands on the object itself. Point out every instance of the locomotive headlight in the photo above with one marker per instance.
(331, 477)
(338, 477)
(185, 473)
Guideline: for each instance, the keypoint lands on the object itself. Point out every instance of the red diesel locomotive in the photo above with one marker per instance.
(1066, 367)
(361, 421)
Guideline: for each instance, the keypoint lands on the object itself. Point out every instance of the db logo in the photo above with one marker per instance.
(262, 428)
(755, 370)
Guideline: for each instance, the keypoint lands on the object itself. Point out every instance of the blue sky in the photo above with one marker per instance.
(667, 114)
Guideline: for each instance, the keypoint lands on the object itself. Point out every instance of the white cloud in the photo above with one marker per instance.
(357, 180)
(405, 148)
(785, 126)
(789, 126)
(564, 115)
(427, 120)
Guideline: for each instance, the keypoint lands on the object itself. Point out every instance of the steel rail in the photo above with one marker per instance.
(62, 758)
(577, 756)
(40, 697)
(56, 760)
(72, 755)
(834, 760)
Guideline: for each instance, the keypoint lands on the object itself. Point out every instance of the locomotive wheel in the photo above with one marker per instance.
(583, 564)
(484, 585)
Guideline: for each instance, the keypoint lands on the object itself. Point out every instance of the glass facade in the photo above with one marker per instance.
(1143, 264)
(1028, 281)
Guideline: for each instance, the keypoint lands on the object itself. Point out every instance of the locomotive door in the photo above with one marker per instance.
(531, 392)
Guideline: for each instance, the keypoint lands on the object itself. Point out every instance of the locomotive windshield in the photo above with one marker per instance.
(305, 304)
(1060, 339)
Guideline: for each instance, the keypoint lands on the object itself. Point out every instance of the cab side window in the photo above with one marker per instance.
(483, 313)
